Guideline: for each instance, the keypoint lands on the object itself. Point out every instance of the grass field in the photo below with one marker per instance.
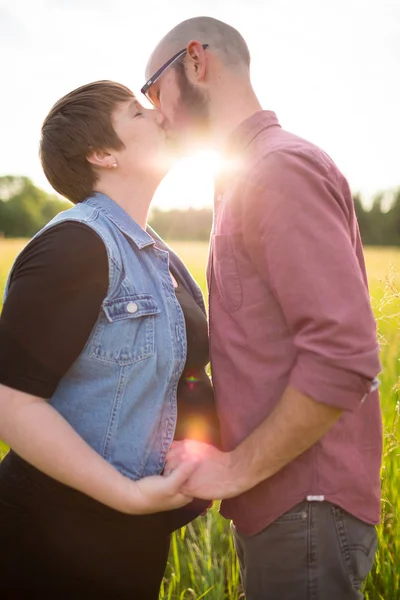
(202, 562)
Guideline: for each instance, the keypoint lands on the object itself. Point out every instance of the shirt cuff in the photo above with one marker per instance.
(330, 384)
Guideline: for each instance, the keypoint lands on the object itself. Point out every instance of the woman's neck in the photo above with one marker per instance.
(133, 195)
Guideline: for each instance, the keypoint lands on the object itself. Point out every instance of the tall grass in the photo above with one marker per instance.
(8, 251)
(202, 561)
(384, 581)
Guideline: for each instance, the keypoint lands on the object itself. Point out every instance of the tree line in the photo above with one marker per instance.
(25, 208)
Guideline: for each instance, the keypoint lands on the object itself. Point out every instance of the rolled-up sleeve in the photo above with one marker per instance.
(298, 224)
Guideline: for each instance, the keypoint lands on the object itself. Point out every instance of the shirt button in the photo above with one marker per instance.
(132, 307)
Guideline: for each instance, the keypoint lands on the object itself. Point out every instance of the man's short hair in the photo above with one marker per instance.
(222, 38)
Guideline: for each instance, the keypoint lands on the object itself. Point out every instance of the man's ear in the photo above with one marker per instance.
(100, 159)
(196, 61)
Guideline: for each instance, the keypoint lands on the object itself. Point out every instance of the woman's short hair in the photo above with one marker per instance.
(77, 123)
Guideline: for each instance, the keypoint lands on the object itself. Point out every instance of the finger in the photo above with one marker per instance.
(183, 499)
(176, 444)
(172, 462)
(177, 451)
(178, 458)
(171, 465)
(186, 491)
(194, 449)
(181, 474)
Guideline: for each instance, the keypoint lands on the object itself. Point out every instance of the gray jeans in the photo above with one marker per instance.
(315, 551)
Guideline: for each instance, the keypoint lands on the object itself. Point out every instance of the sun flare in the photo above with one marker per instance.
(190, 183)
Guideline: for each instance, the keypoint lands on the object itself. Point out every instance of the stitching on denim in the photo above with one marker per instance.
(97, 350)
(114, 410)
(312, 553)
(366, 550)
(344, 544)
(287, 518)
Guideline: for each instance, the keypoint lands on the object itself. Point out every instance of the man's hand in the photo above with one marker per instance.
(213, 479)
(296, 423)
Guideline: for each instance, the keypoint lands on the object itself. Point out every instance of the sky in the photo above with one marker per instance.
(330, 69)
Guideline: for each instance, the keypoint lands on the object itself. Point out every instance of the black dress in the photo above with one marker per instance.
(56, 542)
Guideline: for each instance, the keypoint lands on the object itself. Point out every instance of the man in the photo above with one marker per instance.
(294, 354)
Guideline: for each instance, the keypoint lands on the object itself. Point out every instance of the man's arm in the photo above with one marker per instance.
(293, 427)
(297, 227)
(296, 423)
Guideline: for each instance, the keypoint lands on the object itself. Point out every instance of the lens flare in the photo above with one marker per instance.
(190, 182)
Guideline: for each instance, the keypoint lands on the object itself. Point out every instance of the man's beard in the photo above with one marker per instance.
(192, 130)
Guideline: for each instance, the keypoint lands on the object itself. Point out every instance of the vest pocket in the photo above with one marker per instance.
(124, 332)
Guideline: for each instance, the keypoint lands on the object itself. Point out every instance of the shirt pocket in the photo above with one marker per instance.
(226, 273)
(124, 333)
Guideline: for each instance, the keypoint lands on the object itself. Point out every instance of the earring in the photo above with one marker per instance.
(115, 165)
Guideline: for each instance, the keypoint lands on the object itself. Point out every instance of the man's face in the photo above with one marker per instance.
(184, 106)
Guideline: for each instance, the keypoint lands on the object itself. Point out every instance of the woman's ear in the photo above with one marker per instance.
(101, 159)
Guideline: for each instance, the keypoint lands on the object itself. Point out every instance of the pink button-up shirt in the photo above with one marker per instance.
(289, 304)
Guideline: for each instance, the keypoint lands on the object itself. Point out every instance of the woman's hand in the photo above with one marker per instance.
(158, 493)
(41, 436)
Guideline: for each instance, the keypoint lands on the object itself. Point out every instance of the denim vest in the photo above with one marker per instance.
(120, 393)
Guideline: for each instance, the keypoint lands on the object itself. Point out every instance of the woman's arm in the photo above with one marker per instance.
(58, 284)
(42, 437)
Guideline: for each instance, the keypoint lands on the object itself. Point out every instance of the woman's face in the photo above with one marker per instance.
(146, 149)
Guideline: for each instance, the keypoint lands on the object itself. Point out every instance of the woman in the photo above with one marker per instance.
(102, 335)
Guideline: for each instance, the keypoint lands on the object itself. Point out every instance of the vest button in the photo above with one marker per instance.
(132, 307)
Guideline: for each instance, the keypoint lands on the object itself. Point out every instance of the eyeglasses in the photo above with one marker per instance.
(147, 86)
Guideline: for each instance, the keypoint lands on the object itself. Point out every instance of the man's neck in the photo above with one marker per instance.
(227, 115)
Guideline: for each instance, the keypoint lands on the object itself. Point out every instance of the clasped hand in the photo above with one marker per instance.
(213, 478)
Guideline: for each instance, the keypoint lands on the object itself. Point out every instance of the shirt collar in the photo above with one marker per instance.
(249, 129)
(121, 219)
